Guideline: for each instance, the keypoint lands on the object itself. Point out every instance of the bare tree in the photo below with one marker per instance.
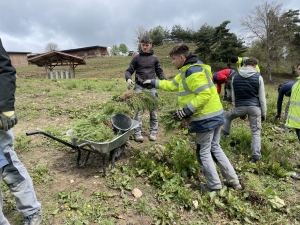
(51, 46)
(139, 32)
(263, 23)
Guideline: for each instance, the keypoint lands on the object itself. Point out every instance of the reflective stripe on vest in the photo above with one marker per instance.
(187, 91)
(293, 118)
(207, 116)
(295, 103)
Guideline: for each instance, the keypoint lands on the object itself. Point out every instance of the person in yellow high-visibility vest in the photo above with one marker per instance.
(293, 118)
(240, 62)
(198, 100)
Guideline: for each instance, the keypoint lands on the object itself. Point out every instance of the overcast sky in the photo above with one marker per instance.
(29, 25)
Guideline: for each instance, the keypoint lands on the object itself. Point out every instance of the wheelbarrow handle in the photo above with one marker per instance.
(53, 137)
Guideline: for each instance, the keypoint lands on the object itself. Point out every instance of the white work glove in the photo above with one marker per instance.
(130, 84)
(8, 120)
(147, 82)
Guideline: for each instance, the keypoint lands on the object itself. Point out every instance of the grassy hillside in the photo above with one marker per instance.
(165, 171)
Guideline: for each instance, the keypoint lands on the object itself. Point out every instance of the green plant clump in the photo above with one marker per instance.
(142, 101)
(93, 128)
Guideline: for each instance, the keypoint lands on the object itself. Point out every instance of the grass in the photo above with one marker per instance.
(165, 171)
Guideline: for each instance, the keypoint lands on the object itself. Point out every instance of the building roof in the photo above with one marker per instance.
(85, 48)
(56, 58)
(18, 53)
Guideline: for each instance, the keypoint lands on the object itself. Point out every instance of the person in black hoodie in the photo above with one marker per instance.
(146, 66)
(14, 174)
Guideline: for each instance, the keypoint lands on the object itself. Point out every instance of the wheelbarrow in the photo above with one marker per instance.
(122, 125)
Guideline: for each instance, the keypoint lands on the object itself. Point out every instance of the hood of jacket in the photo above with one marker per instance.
(191, 58)
(247, 72)
(146, 53)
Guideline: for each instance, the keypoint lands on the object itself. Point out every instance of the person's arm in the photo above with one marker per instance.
(279, 102)
(159, 71)
(131, 68)
(262, 97)
(7, 82)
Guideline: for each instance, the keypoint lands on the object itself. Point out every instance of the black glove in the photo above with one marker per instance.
(263, 118)
(179, 115)
(8, 120)
(243, 117)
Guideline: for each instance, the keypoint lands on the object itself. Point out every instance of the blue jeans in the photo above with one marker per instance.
(16, 177)
(153, 114)
(209, 151)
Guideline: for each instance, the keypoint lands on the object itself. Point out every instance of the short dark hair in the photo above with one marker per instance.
(251, 62)
(146, 39)
(234, 59)
(180, 49)
(298, 64)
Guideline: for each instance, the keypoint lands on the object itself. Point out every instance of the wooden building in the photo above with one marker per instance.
(58, 65)
(18, 58)
(88, 52)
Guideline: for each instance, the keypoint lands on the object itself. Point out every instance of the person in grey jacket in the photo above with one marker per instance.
(248, 95)
(14, 174)
(146, 66)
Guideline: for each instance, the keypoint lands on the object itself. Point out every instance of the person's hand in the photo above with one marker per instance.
(243, 117)
(263, 118)
(277, 116)
(130, 84)
(179, 115)
(147, 82)
(8, 120)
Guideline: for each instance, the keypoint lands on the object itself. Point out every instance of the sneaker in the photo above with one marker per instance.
(33, 219)
(234, 186)
(224, 133)
(139, 138)
(296, 176)
(205, 188)
(152, 137)
(254, 160)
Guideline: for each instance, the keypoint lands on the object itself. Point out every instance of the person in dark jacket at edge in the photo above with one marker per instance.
(146, 66)
(284, 90)
(14, 175)
(249, 99)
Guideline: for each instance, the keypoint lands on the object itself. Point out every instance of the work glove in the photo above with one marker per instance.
(147, 82)
(263, 118)
(130, 84)
(179, 115)
(243, 117)
(8, 120)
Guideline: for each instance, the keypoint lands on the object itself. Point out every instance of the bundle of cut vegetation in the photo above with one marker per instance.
(95, 128)
(139, 101)
(169, 123)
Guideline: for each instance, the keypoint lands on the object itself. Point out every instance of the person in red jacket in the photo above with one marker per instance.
(221, 77)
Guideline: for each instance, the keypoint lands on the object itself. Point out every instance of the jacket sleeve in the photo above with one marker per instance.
(7, 82)
(262, 97)
(279, 101)
(168, 85)
(159, 71)
(131, 68)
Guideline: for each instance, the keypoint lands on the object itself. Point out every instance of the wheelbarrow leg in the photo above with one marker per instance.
(104, 163)
(79, 156)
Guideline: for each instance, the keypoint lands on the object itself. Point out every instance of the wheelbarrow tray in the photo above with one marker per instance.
(105, 147)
